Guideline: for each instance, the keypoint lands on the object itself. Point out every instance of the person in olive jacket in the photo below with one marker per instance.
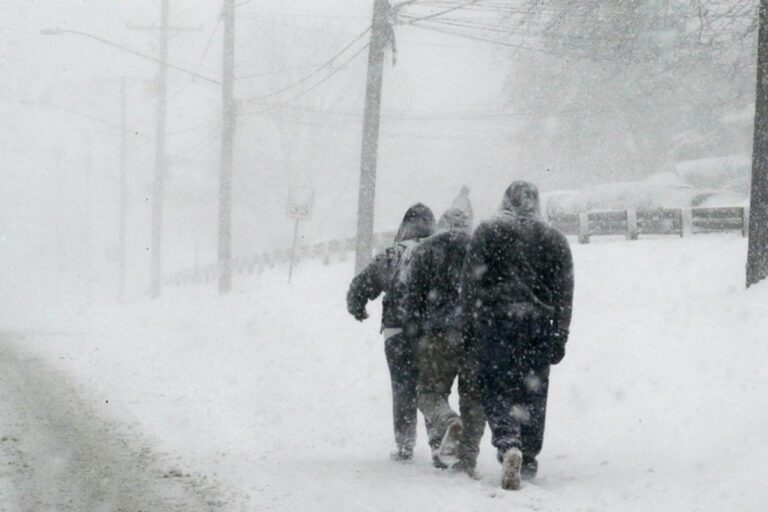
(517, 291)
(433, 317)
(388, 274)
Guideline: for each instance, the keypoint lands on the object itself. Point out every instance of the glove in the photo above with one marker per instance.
(411, 331)
(359, 315)
(557, 354)
(558, 347)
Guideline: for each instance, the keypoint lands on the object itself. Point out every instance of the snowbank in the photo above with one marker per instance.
(723, 173)
(638, 195)
(276, 392)
(708, 182)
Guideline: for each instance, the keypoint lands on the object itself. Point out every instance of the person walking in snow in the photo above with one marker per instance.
(463, 203)
(388, 274)
(517, 291)
(432, 317)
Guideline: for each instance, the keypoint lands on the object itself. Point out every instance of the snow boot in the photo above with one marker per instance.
(402, 454)
(436, 462)
(448, 450)
(465, 467)
(529, 468)
(510, 469)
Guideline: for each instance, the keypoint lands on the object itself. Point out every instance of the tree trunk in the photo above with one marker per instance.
(757, 257)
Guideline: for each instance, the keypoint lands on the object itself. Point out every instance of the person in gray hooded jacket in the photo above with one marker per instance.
(517, 294)
(388, 274)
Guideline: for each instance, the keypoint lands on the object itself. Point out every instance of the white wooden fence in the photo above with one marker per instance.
(629, 223)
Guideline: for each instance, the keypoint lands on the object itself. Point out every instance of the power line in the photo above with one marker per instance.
(202, 58)
(131, 51)
(330, 75)
(89, 117)
(446, 11)
(298, 15)
(275, 72)
(319, 69)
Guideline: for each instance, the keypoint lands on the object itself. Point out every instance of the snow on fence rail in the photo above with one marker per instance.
(628, 223)
(632, 224)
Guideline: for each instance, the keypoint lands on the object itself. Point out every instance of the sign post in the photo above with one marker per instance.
(300, 203)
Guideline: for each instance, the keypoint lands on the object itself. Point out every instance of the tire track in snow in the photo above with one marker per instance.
(57, 454)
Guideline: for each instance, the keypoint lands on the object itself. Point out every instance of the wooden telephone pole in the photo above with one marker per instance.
(757, 257)
(161, 163)
(380, 33)
(123, 199)
(229, 123)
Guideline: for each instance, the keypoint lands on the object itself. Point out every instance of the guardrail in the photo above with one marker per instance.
(327, 251)
(632, 224)
(628, 223)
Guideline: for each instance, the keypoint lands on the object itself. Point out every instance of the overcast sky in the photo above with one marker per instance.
(59, 119)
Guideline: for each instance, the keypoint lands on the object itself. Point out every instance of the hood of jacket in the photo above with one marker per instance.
(521, 199)
(454, 219)
(418, 222)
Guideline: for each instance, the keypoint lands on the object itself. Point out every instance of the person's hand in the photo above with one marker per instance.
(360, 315)
(559, 338)
(558, 353)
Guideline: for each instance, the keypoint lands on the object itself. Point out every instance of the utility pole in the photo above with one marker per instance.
(158, 181)
(229, 123)
(380, 33)
(123, 222)
(121, 253)
(757, 256)
(160, 163)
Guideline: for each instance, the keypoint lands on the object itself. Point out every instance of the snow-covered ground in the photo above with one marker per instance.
(278, 395)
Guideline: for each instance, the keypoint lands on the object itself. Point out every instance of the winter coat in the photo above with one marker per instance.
(383, 274)
(432, 301)
(518, 278)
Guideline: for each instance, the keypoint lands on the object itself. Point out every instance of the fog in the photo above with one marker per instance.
(61, 129)
(456, 111)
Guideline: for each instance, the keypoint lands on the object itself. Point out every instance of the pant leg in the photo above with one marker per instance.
(471, 409)
(514, 381)
(499, 387)
(403, 371)
(439, 358)
(536, 390)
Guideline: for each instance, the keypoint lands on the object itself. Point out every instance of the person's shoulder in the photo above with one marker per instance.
(431, 244)
(555, 235)
(487, 226)
(381, 260)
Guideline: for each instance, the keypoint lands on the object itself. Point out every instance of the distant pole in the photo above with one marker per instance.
(90, 272)
(368, 161)
(757, 256)
(161, 165)
(229, 124)
(293, 249)
(160, 162)
(123, 200)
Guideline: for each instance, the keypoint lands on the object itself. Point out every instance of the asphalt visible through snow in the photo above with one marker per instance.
(57, 454)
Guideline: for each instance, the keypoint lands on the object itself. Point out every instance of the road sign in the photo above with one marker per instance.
(300, 203)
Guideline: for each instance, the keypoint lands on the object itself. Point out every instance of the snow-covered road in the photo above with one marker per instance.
(57, 455)
(278, 395)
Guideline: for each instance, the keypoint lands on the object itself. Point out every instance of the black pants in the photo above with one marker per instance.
(515, 404)
(403, 371)
(514, 382)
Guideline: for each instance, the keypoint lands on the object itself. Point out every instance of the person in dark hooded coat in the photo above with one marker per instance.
(388, 274)
(517, 292)
(433, 317)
